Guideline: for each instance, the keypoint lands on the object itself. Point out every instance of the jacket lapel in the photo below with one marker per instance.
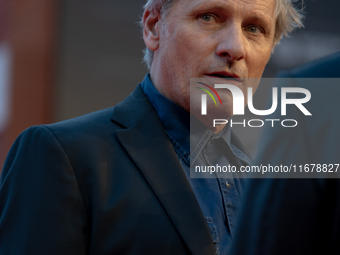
(148, 145)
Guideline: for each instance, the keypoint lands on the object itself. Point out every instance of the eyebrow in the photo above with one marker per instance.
(210, 6)
(260, 18)
(256, 15)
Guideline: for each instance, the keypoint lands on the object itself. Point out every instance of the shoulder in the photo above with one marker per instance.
(76, 130)
(83, 131)
(92, 133)
(95, 122)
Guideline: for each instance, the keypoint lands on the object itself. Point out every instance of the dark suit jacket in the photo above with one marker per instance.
(105, 183)
(297, 216)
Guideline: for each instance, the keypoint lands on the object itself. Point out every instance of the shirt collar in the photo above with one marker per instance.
(201, 136)
(176, 122)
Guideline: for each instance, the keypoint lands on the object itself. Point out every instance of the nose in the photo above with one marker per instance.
(232, 43)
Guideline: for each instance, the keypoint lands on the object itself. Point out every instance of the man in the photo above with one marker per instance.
(116, 181)
(298, 216)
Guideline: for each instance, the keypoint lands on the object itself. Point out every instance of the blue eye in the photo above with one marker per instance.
(254, 30)
(206, 17)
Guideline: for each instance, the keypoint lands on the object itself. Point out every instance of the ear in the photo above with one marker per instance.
(151, 29)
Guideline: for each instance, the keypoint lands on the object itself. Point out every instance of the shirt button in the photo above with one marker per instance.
(228, 185)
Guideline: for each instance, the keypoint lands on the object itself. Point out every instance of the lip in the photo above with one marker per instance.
(212, 79)
(224, 75)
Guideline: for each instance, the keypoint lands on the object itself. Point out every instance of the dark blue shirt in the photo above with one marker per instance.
(218, 197)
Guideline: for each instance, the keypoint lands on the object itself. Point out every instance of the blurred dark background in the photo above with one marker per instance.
(61, 59)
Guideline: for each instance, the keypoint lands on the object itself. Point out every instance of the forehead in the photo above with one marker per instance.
(241, 8)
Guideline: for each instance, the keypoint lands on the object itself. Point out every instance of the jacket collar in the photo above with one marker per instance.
(146, 142)
(132, 109)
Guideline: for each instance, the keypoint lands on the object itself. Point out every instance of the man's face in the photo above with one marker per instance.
(212, 38)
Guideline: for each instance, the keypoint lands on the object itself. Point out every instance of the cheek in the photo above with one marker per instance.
(257, 62)
(177, 71)
(190, 49)
(177, 56)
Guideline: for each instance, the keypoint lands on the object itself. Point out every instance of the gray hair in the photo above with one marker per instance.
(288, 18)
